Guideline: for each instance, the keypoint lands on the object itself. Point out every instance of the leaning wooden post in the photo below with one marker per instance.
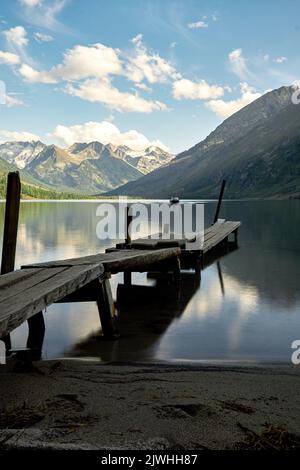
(13, 194)
(219, 201)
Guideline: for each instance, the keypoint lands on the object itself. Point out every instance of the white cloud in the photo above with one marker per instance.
(17, 41)
(104, 132)
(238, 64)
(16, 36)
(31, 3)
(9, 58)
(148, 65)
(142, 86)
(43, 14)
(280, 60)
(33, 76)
(40, 37)
(196, 90)
(22, 136)
(93, 67)
(12, 102)
(198, 25)
(102, 91)
(79, 62)
(225, 109)
(137, 39)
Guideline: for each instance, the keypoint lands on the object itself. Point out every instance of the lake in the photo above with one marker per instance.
(245, 308)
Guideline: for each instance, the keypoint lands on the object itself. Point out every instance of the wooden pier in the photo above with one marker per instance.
(25, 293)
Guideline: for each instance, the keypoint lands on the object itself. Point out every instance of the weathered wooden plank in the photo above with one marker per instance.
(220, 235)
(12, 278)
(116, 261)
(36, 276)
(154, 242)
(25, 305)
(216, 238)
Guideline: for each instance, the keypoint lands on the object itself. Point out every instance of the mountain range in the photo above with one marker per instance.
(257, 151)
(86, 168)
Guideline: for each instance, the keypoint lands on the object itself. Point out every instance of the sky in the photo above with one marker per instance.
(139, 72)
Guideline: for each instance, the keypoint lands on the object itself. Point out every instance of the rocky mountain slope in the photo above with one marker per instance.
(257, 150)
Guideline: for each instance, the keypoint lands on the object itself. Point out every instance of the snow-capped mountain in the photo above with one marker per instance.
(20, 153)
(88, 167)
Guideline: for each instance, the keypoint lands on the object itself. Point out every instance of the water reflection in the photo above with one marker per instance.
(246, 309)
(145, 313)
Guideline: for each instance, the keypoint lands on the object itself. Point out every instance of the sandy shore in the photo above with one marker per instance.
(77, 404)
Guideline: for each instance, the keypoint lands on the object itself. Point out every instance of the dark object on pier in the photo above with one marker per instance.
(174, 200)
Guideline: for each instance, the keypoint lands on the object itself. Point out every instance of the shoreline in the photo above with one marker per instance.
(84, 404)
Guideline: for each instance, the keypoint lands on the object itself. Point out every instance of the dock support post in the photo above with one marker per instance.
(7, 341)
(219, 202)
(13, 194)
(127, 278)
(177, 270)
(36, 335)
(106, 308)
(236, 237)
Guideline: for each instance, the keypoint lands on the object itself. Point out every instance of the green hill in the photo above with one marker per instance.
(30, 188)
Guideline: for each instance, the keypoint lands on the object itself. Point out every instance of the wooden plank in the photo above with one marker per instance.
(27, 304)
(116, 261)
(217, 237)
(12, 278)
(11, 220)
(36, 276)
(158, 242)
(220, 235)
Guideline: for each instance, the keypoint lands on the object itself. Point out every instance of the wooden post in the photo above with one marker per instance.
(236, 237)
(36, 335)
(106, 308)
(128, 222)
(127, 278)
(13, 194)
(177, 270)
(12, 206)
(219, 201)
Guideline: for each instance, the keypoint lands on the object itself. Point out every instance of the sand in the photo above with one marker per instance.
(88, 405)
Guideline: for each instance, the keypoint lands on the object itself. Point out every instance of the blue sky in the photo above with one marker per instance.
(137, 72)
